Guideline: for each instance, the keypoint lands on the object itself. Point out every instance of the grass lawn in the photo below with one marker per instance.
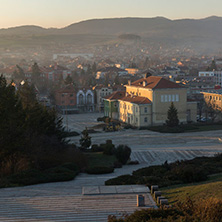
(99, 159)
(203, 190)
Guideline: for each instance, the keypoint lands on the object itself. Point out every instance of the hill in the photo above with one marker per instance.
(201, 33)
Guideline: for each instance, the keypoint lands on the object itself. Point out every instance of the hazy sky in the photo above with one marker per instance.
(60, 13)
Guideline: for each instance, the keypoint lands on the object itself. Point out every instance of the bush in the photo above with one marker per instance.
(97, 148)
(101, 119)
(34, 176)
(108, 148)
(151, 171)
(117, 164)
(122, 180)
(99, 170)
(122, 153)
(187, 173)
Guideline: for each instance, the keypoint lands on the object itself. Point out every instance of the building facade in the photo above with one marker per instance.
(147, 101)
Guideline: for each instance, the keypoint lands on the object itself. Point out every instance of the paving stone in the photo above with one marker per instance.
(90, 190)
(124, 189)
(108, 190)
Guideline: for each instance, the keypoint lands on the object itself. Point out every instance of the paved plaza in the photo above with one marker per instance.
(86, 198)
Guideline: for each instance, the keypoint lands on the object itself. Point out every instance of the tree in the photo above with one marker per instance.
(123, 153)
(172, 117)
(27, 95)
(36, 73)
(85, 140)
(68, 80)
(94, 68)
(26, 128)
(212, 67)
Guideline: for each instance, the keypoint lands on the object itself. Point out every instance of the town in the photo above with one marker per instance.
(109, 114)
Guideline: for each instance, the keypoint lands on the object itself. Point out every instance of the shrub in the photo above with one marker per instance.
(188, 173)
(151, 171)
(108, 148)
(99, 170)
(135, 162)
(122, 153)
(117, 164)
(101, 119)
(122, 180)
(97, 148)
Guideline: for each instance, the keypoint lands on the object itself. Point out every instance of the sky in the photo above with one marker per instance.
(61, 13)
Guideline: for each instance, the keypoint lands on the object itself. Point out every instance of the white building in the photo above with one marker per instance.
(216, 74)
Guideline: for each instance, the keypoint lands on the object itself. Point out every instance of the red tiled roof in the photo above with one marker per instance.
(155, 82)
(116, 95)
(136, 99)
(67, 89)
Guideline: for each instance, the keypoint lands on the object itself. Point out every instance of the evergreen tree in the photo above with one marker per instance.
(85, 140)
(27, 95)
(94, 68)
(212, 67)
(21, 73)
(172, 117)
(36, 73)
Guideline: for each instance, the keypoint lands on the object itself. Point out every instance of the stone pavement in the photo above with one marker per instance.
(68, 205)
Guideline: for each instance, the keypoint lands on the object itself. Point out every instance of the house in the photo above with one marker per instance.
(65, 100)
(100, 92)
(85, 100)
(113, 71)
(147, 101)
(213, 99)
(71, 100)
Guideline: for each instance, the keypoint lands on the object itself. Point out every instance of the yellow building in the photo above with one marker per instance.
(147, 101)
(213, 100)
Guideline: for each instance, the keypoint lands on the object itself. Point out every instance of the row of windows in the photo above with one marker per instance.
(131, 108)
(170, 98)
(214, 97)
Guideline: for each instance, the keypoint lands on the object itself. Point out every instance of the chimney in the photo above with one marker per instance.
(129, 82)
(144, 83)
(148, 74)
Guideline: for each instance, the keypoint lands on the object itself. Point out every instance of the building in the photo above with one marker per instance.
(113, 71)
(213, 100)
(71, 100)
(65, 100)
(85, 100)
(147, 101)
(100, 92)
(216, 74)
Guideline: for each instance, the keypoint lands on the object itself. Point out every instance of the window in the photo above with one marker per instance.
(128, 107)
(89, 99)
(72, 101)
(71, 95)
(169, 98)
(145, 109)
(81, 99)
(136, 119)
(166, 100)
(177, 98)
(145, 119)
(173, 98)
(136, 109)
(162, 98)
